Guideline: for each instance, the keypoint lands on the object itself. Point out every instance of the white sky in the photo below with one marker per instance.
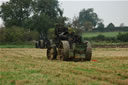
(114, 11)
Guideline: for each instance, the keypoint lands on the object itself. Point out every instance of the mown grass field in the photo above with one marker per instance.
(106, 34)
(29, 66)
(17, 46)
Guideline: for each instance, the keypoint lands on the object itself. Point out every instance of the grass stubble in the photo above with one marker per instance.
(29, 66)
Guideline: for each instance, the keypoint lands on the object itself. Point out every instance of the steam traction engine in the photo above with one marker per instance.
(68, 46)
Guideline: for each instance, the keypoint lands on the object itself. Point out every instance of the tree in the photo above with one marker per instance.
(111, 27)
(75, 23)
(88, 15)
(87, 19)
(47, 7)
(100, 26)
(88, 26)
(42, 23)
(45, 14)
(33, 14)
(15, 12)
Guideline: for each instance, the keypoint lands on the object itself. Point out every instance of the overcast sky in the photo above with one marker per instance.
(114, 11)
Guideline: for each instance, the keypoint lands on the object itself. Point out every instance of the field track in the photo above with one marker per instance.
(21, 66)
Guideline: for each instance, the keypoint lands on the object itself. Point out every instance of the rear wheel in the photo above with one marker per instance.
(41, 43)
(37, 44)
(63, 50)
(88, 52)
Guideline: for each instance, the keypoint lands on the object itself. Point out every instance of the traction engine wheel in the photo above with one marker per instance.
(37, 44)
(63, 50)
(52, 53)
(41, 43)
(88, 52)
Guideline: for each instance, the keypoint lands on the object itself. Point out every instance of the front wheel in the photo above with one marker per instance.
(52, 53)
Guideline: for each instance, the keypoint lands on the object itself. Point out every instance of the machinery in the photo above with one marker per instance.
(43, 42)
(68, 46)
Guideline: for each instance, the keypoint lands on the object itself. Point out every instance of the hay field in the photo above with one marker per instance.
(29, 66)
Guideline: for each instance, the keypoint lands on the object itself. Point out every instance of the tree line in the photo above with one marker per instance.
(109, 28)
(42, 15)
(88, 20)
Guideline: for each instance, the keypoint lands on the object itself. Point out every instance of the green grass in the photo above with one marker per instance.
(17, 46)
(106, 34)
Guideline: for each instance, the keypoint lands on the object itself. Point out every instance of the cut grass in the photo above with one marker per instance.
(21, 66)
(17, 46)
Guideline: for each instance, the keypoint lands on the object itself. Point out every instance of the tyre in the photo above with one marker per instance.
(37, 44)
(41, 43)
(88, 52)
(52, 53)
(63, 50)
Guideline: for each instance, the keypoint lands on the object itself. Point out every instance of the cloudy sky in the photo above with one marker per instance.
(114, 11)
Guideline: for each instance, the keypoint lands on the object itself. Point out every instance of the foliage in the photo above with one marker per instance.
(17, 34)
(46, 13)
(78, 31)
(86, 20)
(15, 12)
(47, 7)
(51, 33)
(75, 23)
(88, 26)
(42, 23)
(37, 15)
(88, 15)
(2, 35)
(100, 27)
(102, 38)
(123, 37)
(110, 27)
(106, 36)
